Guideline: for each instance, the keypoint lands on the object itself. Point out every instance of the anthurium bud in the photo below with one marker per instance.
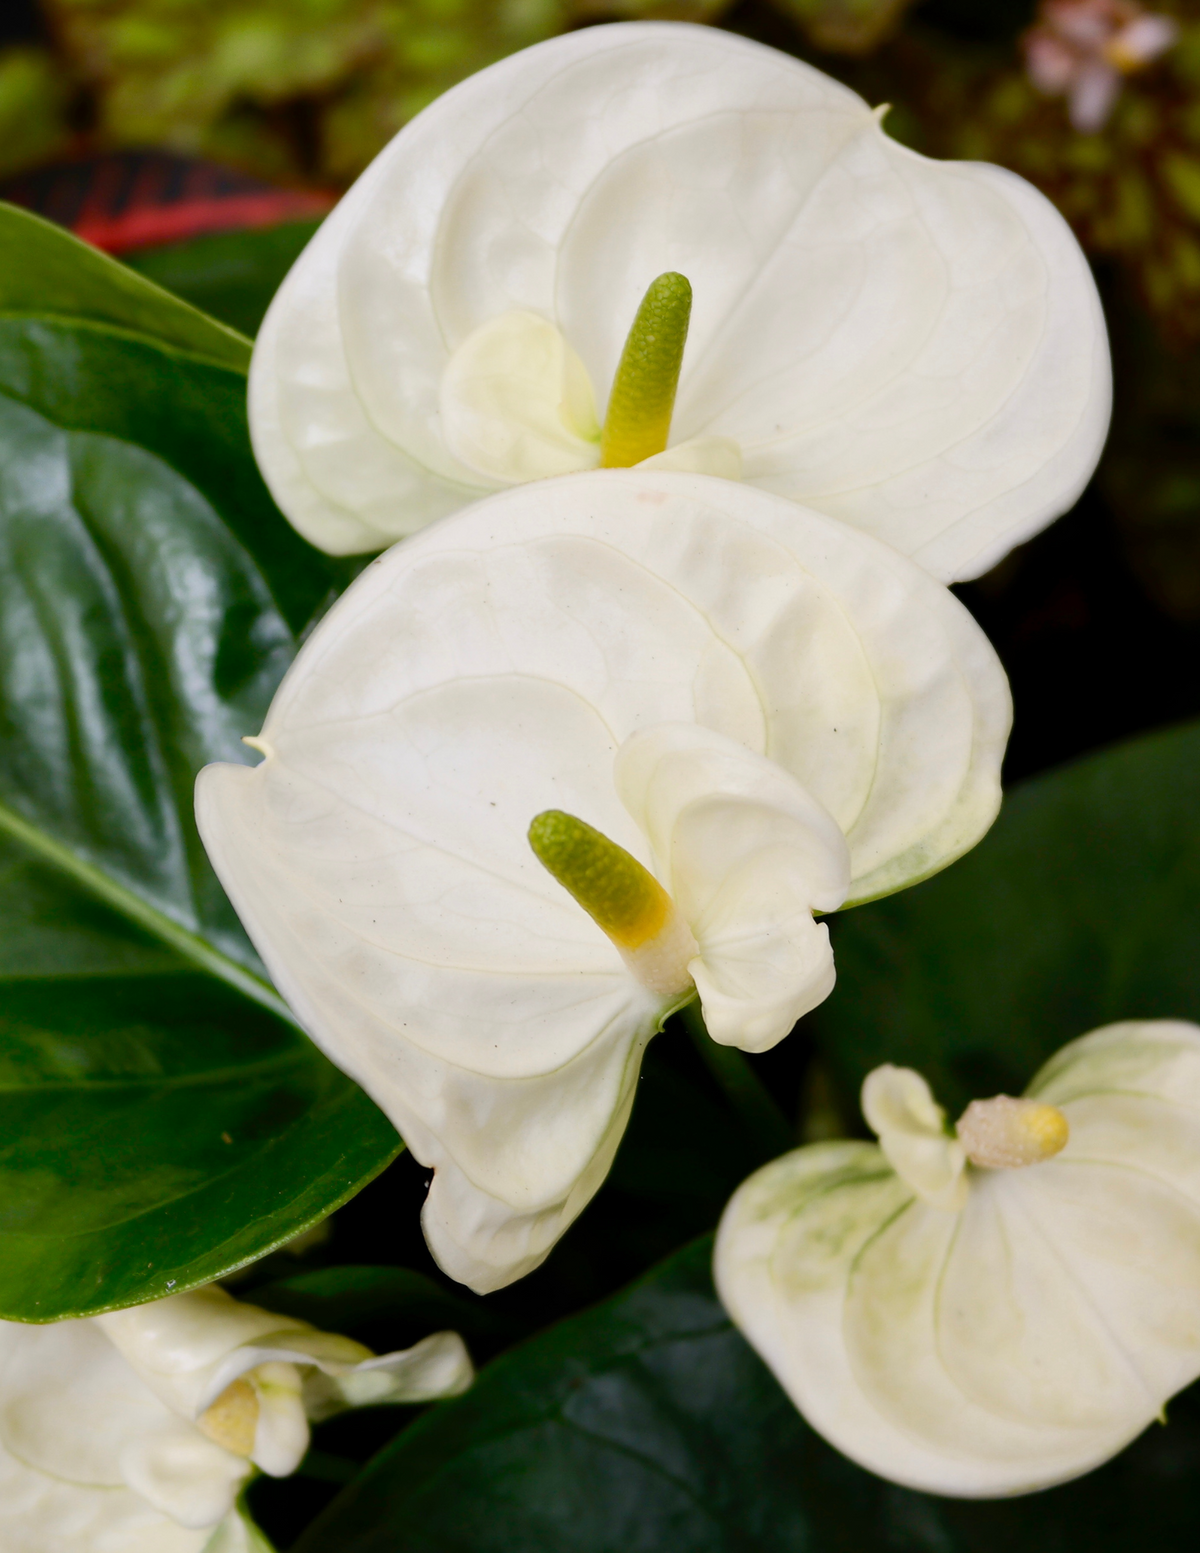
(997, 1307)
(592, 748)
(135, 1432)
(914, 347)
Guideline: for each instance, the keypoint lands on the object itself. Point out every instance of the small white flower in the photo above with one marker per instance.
(135, 1432)
(741, 712)
(997, 1310)
(914, 347)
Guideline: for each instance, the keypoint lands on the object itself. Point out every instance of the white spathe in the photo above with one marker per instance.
(102, 1449)
(770, 710)
(915, 347)
(1010, 1342)
(748, 855)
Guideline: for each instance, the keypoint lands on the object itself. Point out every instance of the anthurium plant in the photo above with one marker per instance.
(496, 787)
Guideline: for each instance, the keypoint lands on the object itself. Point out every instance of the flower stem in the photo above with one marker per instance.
(642, 401)
(747, 1094)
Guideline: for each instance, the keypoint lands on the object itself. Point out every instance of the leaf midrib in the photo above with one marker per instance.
(240, 1073)
(185, 943)
(81, 322)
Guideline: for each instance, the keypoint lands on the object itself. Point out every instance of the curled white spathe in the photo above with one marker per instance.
(915, 347)
(105, 1446)
(747, 855)
(803, 717)
(1006, 1339)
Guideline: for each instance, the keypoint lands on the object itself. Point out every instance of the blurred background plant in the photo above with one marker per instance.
(1095, 101)
(299, 89)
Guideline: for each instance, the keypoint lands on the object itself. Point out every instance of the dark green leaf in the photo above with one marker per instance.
(366, 1301)
(1082, 906)
(647, 1424)
(232, 275)
(47, 272)
(162, 1118)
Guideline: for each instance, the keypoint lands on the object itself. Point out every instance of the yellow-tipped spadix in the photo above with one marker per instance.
(642, 400)
(1005, 1133)
(619, 895)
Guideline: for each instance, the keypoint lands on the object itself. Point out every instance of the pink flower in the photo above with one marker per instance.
(1080, 49)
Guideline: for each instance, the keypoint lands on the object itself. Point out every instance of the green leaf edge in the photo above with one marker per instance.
(212, 961)
(117, 299)
(111, 293)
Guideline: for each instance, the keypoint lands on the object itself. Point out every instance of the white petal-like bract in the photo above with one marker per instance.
(814, 716)
(748, 855)
(913, 346)
(1012, 1342)
(135, 1432)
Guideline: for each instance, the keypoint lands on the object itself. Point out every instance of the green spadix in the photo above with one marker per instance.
(619, 895)
(643, 391)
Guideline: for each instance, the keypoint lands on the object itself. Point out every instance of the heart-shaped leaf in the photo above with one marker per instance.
(163, 1119)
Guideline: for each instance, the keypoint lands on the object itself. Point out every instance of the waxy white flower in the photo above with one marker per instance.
(914, 347)
(723, 711)
(997, 1310)
(135, 1432)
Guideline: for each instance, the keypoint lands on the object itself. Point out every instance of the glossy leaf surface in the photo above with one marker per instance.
(647, 1424)
(162, 1118)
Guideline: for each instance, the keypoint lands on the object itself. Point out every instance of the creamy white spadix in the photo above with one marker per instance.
(766, 710)
(914, 347)
(996, 1309)
(135, 1432)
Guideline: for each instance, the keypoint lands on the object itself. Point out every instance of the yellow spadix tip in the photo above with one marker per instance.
(619, 895)
(1006, 1133)
(642, 401)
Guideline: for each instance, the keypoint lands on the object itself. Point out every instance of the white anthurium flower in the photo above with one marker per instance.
(915, 347)
(699, 709)
(135, 1432)
(996, 1310)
